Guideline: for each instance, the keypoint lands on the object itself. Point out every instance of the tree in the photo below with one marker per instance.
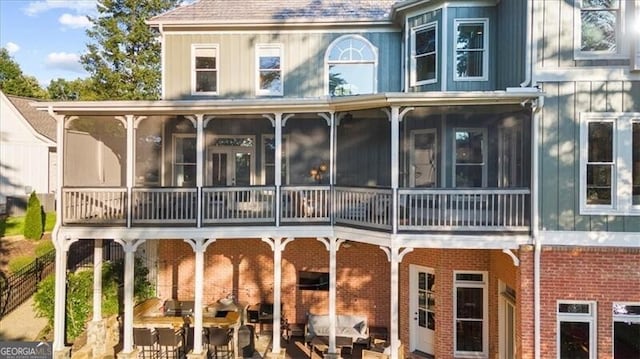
(14, 82)
(123, 58)
(33, 223)
(78, 89)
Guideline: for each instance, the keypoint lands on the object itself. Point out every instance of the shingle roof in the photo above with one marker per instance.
(212, 11)
(41, 121)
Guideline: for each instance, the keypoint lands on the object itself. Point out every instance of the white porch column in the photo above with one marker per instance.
(97, 280)
(395, 256)
(277, 181)
(332, 246)
(395, 165)
(131, 159)
(199, 166)
(129, 247)
(199, 246)
(277, 246)
(59, 336)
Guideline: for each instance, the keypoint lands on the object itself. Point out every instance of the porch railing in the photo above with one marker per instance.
(418, 209)
(172, 206)
(367, 207)
(305, 204)
(460, 210)
(94, 205)
(238, 205)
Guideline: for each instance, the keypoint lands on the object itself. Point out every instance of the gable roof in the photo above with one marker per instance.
(273, 11)
(41, 121)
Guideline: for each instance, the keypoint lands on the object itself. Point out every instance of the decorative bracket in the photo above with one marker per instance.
(199, 244)
(516, 260)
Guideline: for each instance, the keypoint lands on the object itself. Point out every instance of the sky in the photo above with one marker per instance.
(46, 37)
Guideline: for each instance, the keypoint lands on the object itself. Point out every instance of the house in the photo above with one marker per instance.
(464, 174)
(27, 152)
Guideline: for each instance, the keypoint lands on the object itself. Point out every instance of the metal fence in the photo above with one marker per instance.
(16, 288)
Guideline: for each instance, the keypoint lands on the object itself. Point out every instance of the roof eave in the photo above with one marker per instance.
(261, 106)
(271, 23)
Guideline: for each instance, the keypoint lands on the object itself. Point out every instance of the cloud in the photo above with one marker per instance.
(79, 6)
(64, 61)
(74, 21)
(12, 48)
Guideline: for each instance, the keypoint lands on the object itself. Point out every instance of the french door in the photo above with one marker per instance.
(423, 158)
(422, 304)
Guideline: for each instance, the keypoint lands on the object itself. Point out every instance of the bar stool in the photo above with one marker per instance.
(220, 341)
(171, 343)
(146, 340)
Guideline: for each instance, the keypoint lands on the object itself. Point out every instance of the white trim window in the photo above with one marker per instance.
(626, 330)
(598, 29)
(352, 63)
(204, 70)
(424, 54)
(576, 330)
(269, 79)
(609, 163)
(471, 314)
(470, 157)
(471, 49)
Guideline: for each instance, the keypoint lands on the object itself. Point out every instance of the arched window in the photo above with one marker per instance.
(351, 63)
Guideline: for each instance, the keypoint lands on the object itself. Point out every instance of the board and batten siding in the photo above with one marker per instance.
(511, 42)
(303, 62)
(559, 146)
(553, 25)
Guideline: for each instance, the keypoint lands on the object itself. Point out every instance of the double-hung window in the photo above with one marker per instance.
(598, 29)
(626, 330)
(471, 318)
(204, 79)
(351, 66)
(471, 60)
(424, 48)
(610, 163)
(269, 70)
(576, 330)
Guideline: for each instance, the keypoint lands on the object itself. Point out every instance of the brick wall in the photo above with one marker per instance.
(604, 275)
(244, 267)
(444, 262)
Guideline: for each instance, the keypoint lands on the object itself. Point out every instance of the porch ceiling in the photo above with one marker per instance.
(287, 105)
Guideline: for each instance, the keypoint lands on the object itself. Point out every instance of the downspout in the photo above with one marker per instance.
(528, 45)
(535, 220)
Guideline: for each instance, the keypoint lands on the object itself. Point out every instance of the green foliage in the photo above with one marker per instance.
(78, 89)
(13, 226)
(44, 299)
(123, 58)
(43, 248)
(14, 82)
(18, 262)
(49, 221)
(33, 223)
(141, 286)
(80, 294)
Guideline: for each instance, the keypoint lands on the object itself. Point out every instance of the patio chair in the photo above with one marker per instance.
(171, 343)
(146, 340)
(220, 343)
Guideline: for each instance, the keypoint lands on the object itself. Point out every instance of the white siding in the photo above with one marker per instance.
(24, 156)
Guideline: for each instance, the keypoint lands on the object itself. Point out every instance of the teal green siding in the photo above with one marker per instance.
(559, 145)
(471, 13)
(510, 29)
(556, 21)
(303, 62)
